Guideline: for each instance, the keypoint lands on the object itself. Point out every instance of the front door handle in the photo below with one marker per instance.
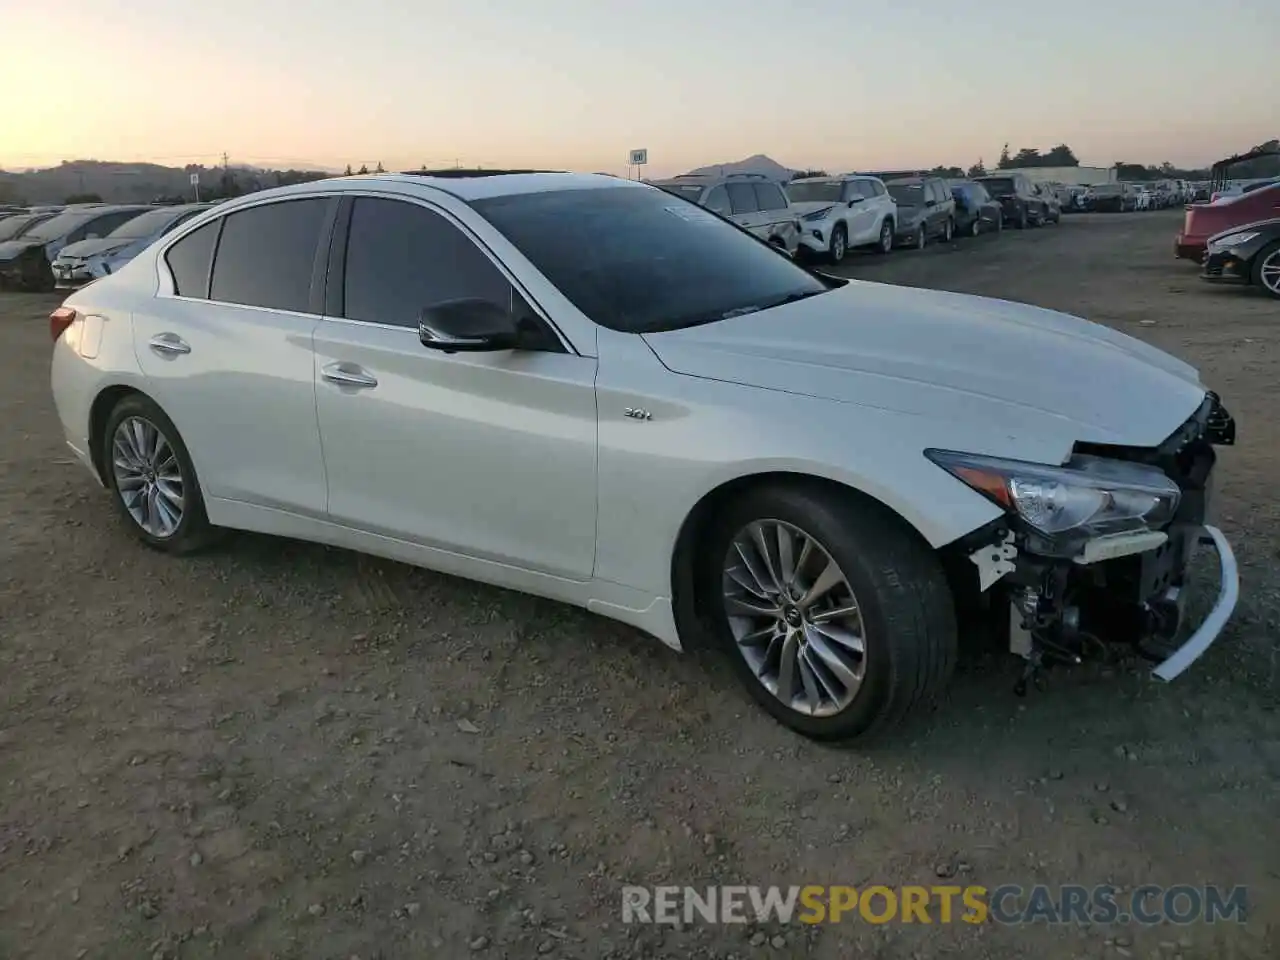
(169, 345)
(348, 375)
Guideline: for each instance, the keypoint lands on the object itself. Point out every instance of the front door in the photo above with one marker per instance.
(489, 455)
(746, 208)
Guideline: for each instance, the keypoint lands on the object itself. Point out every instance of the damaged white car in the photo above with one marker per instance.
(588, 389)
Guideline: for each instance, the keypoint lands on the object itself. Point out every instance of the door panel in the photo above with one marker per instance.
(243, 398)
(491, 455)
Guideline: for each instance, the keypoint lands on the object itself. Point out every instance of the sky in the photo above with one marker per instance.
(575, 84)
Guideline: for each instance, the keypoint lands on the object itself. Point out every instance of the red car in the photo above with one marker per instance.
(1203, 220)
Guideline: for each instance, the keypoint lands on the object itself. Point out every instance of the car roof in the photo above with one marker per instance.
(463, 185)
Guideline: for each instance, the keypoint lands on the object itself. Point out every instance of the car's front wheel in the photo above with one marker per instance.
(836, 616)
(151, 477)
(1266, 270)
(922, 237)
(839, 244)
(975, 228)
(886, 236)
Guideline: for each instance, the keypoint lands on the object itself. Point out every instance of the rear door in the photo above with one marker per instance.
(745, 208)
(226, 347)
(777, 218)
(864, 216)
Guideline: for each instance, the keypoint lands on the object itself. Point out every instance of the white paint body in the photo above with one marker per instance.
(523, 469)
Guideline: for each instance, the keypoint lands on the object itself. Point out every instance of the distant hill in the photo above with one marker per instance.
(756, 164)
(123, 182)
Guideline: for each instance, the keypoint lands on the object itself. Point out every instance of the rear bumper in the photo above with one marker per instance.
(1189, 248)
(1211, 628)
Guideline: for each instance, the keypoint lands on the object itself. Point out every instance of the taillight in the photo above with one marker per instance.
(59, 320)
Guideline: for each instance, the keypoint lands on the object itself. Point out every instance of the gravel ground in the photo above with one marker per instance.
(282, 750)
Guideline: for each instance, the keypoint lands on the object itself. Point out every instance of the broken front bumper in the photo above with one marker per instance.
(1216, 620)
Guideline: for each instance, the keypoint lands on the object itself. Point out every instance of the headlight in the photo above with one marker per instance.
(818, 214)
(1090, 496)
(1233, 239)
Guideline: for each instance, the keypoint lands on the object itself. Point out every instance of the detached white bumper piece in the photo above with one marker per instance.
(1228, 594)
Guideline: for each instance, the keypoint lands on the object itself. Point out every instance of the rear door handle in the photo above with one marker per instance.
(169, 345)
(348, 375)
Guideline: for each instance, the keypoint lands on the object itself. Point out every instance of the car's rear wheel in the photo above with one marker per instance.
(151, 477)
(948, 230)
(1022, 218)
(839, 244)
(837, 618)
(1266, 270)
(886, 236)
(922, 237)
(43, 280)
(975, 228)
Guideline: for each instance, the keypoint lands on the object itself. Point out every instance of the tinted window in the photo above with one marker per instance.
(633, 259)
(266, 255)
(106, 224)
(718, 200)
(867, 188)
(402, 257)
(743, 198)
(877, 188)
(189, 261)
(690, 191)
(907, 194)
(770, 197)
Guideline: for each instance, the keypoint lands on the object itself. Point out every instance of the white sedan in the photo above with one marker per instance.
(586, 388)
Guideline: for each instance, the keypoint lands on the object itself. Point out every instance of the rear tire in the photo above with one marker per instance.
(151, 478)
(885, 244)
(975, 228)
(886, 592)
(922, 237)
(949, 230)
(1022, 218)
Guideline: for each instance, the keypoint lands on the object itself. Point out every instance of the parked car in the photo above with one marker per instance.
(87, 260)
(1203, 220)
(1142, 197)
(926, 210)
(751, 200)
(13, 227)
(1247, 255)
(646, 412)
(976, 210)
(1110, 197)
(1021, 204)
(838, 213)
(27, 262)
(1052, 205)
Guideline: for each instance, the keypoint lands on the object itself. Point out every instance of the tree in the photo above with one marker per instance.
(1027, 157)
(378, 168)
(1004, 162)
(1061, 156)
(979, 169)
(954, 173)
(83, 198)
(363, 169)
(348, 170)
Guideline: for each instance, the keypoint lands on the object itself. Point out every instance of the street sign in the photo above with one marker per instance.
(639, 158)
(195, 179)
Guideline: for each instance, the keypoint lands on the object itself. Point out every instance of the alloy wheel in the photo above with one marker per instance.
(794, 617)
(886, 237)
(948, 232)
(1269, 273)
(921, 238)
(838, 247)
(976, 227)
(148, 477)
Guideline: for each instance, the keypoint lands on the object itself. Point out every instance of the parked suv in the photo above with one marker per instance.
(1022, 204)
(837, 213)
(751, 200)
(926, 210)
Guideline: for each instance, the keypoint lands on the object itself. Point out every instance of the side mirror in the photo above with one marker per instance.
(853, 200)
(468, 324)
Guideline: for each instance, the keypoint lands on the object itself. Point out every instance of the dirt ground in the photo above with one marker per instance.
(282, 750)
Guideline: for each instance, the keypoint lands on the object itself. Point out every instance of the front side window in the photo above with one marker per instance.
(189, 260)
(104, 225)
(402, 257)
(635, 260)
(266, 255)
(142, 225)
(769, 196)
(743, 198)
(907, 194)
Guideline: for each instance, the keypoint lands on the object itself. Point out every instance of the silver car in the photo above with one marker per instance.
(751, 200)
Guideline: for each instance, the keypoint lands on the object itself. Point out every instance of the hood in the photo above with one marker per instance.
(14, 248)
(909, 214)
(949, 357)
(90, 248)
(812, 206)
(1258, 225)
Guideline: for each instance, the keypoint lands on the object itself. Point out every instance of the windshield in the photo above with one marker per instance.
(907, 194)
(1000, 185)
(61, 225)
(690, 191)
(12, 227)
(143, 226)
(639, 261)
(809, 191)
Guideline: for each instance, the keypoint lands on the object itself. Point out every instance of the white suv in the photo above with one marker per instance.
(837, 213)
(751, 200)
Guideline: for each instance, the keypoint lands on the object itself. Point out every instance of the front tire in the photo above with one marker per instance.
(836, 616)
(948, 230)
(1266, 270)
(886, 237)
(1022, 218)
(922, 237)
(151, 478)
(839, 244)
(975, 228)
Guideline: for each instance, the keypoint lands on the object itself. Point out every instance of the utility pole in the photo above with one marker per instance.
(224, 161)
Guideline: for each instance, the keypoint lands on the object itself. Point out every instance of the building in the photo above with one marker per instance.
(1084, 176)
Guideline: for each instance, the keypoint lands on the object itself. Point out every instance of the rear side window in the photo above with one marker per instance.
(770, 196)
(402, 257)
(189, 260)
(743, 198)
(867, 188)
(267, 254)
(718, 201)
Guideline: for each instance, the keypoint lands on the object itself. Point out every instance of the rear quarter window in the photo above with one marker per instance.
(189, 260)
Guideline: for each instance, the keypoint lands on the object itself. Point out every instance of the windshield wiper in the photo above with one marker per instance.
(756, 307)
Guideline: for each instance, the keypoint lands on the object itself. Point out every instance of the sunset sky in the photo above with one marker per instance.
(836, 84)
